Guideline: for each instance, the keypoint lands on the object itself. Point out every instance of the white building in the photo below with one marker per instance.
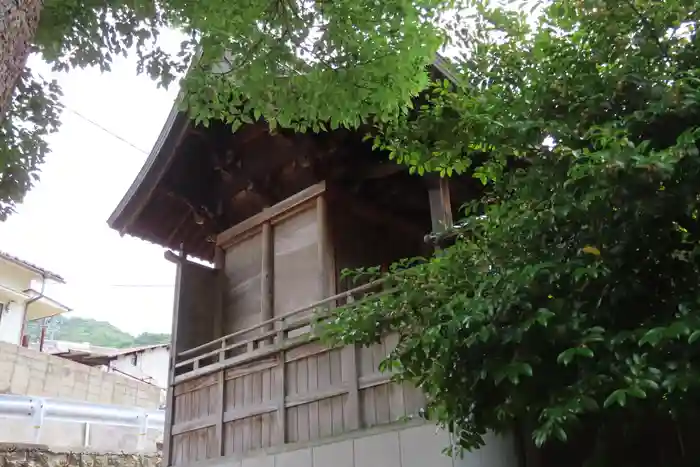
(148, 363)
(25, 290)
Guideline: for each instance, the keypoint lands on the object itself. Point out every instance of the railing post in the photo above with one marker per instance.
(349, 370)
(351, 378)
(280, 387)
(37, 418)
(220, 416)
(86, 435)
(143, 431)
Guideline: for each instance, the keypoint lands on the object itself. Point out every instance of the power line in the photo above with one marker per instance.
(109, 132)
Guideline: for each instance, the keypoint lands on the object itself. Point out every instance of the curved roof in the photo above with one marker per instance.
(134, 203)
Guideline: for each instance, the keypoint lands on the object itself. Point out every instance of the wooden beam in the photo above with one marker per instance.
(178, 259)
(226, 238)
(180, 224)
(266, 284)
(382, 171)
(440, 205)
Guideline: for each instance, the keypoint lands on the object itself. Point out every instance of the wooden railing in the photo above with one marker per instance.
(266, 337)
(244, 392)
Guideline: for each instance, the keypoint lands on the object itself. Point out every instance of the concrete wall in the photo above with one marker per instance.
(67, 435)
(28, 372)
(416, 445)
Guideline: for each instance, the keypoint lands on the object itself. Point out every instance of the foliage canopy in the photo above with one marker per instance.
(94, 332)
(303, 63)
(569, 304)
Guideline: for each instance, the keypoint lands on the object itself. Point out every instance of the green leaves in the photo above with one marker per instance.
(568, 355)
(619, 397)
(570, 298)
(307, 65)
(33, 114)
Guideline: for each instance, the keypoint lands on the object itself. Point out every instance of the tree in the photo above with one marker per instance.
(18, 25)
(299, 63)
(94, 332)
(567, 305)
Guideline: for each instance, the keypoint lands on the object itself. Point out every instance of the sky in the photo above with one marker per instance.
(62, 223)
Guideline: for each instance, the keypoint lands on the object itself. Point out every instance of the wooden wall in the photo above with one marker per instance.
(199, 306)
(303, 394)
(296, 265)
(296, 272)
(272, 262)
(242, 295)
(283, 259)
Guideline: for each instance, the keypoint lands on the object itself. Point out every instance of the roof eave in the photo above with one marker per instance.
(157, 163)
(30, 267)
(153, 168)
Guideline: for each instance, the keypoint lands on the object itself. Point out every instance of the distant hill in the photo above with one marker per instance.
(94, 332)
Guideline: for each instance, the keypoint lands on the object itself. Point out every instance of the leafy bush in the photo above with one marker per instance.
(569, 304)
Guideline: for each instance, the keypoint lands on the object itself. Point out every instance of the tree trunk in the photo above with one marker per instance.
(18, 24)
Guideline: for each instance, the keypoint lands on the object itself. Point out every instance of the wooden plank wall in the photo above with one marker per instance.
(295, 269)
(270, 402)
(242, 297)
(272, 267)
(199, 306)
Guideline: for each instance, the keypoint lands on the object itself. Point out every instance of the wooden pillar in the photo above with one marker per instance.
(440, 204)
(326, 266)
(220, 316)
(221, 394)
(280, 389)
(266, 284)
(220, 324)
(170, 396)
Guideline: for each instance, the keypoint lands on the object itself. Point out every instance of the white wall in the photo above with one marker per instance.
(11, 321)
(14, 280)
(16, 277)
(151, 363)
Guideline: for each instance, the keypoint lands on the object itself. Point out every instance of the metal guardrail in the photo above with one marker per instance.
(38, 409)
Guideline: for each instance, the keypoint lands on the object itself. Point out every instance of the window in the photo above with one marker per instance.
(135, 359)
